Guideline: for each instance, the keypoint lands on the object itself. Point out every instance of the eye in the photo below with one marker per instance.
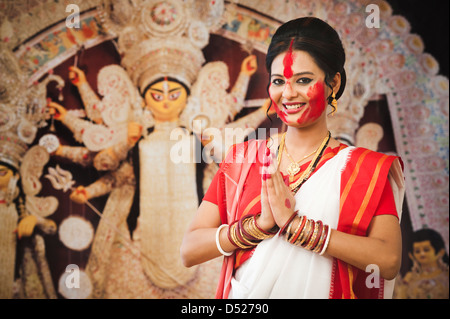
(174, 96)
(157, 97)
(304, 80)
(277, 82)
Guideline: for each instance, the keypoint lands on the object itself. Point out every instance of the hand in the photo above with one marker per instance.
(249, 65)
(76, 76)
(57, 110)
(265, 220)
(134, 133)
(80, 195)
(26, 226)
(279, 195)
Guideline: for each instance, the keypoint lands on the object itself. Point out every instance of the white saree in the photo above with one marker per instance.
(278, 269)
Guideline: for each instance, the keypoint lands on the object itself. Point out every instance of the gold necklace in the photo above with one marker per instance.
(294, 167)
(311, 166)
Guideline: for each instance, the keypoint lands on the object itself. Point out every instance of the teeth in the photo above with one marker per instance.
(294, 106)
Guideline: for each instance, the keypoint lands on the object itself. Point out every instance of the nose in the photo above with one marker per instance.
(288, 91)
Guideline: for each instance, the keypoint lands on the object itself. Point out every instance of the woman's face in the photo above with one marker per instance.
(297, 89)
(166, 99)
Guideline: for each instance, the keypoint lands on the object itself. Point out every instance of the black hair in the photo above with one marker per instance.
(162, 79)
(9, 166)
(434, 237)
(315, 37)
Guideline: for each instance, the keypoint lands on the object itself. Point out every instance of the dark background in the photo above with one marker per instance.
(429, 19)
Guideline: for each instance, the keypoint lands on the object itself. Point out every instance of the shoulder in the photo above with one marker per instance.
(367, 156)
(244, 149)
(364, 162)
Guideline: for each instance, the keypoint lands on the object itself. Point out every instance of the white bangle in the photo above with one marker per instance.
(218, 243)
(325, 245)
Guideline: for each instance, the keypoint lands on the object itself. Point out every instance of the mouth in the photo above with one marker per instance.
(293, 107)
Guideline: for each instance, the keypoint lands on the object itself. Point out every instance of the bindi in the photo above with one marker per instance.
(288, 61)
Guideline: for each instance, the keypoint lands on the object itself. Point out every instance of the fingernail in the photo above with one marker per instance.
(267, 151)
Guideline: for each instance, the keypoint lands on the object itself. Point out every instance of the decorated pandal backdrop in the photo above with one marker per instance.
(89, 212)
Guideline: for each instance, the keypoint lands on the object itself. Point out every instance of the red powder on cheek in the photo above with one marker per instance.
(317, 103)
(288, 61)
(280, 113)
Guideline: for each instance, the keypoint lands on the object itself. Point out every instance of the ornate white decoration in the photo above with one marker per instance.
(76, 233)
(60, 179)
(50, 142)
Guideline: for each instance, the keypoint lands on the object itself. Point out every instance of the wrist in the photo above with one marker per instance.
(265, 224)
(224, 246)
(284, 224)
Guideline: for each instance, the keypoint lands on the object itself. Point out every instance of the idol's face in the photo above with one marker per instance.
(5, 175)
(297, 89)
(166, 99)
(424, 253)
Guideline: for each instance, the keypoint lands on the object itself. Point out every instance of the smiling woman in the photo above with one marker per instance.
(305, 223)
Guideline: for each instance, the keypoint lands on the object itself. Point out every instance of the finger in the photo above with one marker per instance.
(264, 197)
(275, 174)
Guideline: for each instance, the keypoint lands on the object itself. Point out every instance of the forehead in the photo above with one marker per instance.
(422, 244)
(170, 85)
(302, 62)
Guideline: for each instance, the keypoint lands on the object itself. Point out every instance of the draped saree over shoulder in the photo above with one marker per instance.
(344, 192)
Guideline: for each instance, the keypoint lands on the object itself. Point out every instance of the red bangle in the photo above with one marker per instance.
(283, 229)
(302, 222)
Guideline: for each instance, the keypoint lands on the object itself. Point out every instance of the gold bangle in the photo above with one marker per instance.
(252, 230)
(304, 235)
(288, 230)
(256, 232)
(313, 238)
(236, 241)
(295, 234)
(246, 241)
(321, 245)
(320, 242)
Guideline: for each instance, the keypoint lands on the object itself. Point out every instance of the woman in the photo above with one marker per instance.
(308, 222)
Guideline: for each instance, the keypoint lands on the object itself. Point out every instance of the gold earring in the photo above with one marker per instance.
(333, 103)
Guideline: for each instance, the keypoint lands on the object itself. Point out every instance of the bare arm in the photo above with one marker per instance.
(382, 246)
(199, 242)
